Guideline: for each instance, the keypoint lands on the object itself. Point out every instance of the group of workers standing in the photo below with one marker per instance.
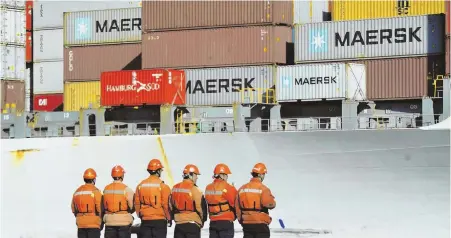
(157, 205)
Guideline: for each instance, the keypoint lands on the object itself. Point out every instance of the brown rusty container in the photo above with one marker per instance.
(87, 63)
(216, 47)
(13, 92)
(402, 78)
(176, 15)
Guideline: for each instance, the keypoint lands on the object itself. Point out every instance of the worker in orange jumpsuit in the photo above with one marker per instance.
(87, 207)
(252, 204)
(152, 203)
(220, 197)
(188, 205)
(118, 204)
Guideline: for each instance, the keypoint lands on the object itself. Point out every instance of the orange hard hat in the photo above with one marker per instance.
(154, 164)
(260, 168)
(222, 169)
(90, 174)
(191, 168)
(117, 171)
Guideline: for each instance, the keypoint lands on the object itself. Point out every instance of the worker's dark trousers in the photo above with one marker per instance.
(88, 233)
(255, 231)
(117, 232)
(153, 229)
(221, 229)
(187, 230)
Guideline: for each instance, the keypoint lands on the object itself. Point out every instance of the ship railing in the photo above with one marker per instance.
(228, 125)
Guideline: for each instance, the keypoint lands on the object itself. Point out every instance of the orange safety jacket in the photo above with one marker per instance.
(188, 203)
(115, 199)
(220, 197)
(87, 206)
(152, 199)
(253, 202)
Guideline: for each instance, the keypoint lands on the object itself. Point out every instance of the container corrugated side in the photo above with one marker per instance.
(12, 26)
(309, 11)
(143, 87)
(176, 15)
(402, 78)
(47, 102)
(102, 27)
(216, 47)
(448, 16)
(13, 92)
(49, 14)
(225, 86)
(375, 38)
(343, 10)
(87, 63)
(321, 81)
(17, 4)
(81, 95)
(48, 45)
(28, 15)
(12, 62)
(48, 77)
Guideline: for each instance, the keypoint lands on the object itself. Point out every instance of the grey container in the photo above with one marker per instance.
(373, 38)
(49, 14)
(336, 81)
(225, 86)
(111, 26)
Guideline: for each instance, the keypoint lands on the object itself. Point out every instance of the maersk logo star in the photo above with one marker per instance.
(286, 81)
(82, 28)
(318, 41)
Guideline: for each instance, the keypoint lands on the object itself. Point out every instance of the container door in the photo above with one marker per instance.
(356, 82)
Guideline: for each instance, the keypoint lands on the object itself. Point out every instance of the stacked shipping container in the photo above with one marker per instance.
(402, 43)
(48, 44)
(14, 84)
(95, 42)
(217, 34)
(29, 53)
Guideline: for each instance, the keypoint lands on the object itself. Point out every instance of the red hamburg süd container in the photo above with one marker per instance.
(47, 102)
(28, 15)
(142, 87)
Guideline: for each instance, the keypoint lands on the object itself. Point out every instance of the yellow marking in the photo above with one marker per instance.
(19, 155)
(75, 142)
(167, 168)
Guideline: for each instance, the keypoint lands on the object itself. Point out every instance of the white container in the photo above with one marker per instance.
(48, 45)
(309, 11)
(48, 77)
(321, 81)
(12, 26)
(102, 27)
(225, 86)
(49, 14)
(20, 4)
(372, 38)
(12, 62)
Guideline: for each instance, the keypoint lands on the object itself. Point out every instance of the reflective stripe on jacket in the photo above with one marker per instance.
(118, 204)
(87, 206)
(253, 201)
(220, 197)
(152, 199)
(188, 203)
